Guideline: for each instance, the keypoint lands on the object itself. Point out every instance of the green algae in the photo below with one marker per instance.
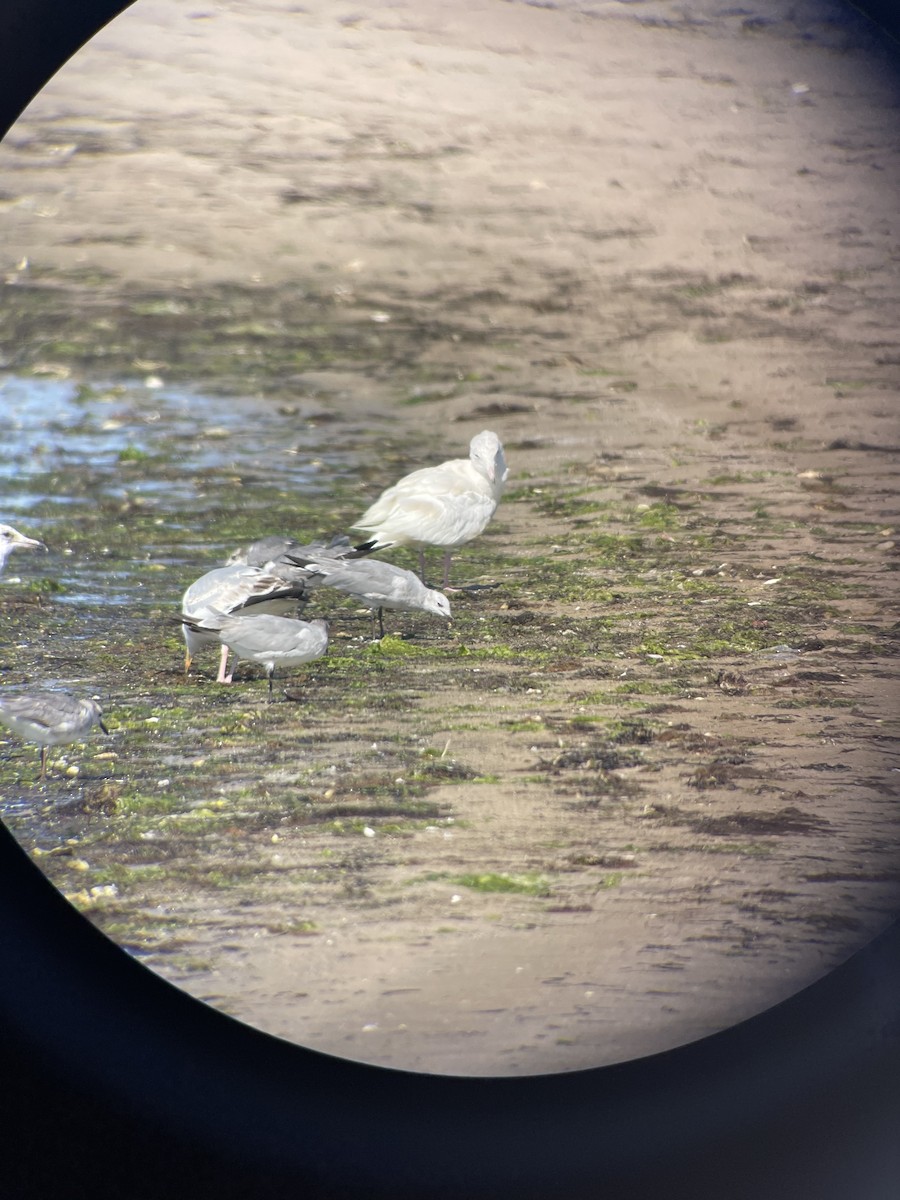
(205, 776)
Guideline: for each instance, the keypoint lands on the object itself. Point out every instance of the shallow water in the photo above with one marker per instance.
(170, 455)
(50, 425)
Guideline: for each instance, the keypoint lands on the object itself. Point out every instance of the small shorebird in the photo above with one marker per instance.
(50, 719)
(378, 585)
(269, 640)
(443, 506)
(11, 539)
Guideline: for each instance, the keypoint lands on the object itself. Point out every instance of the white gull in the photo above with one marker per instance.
(11, 539)
(443, 506)
(271, 641)
(227, 590)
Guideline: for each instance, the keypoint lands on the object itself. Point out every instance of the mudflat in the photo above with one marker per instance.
(645, 784)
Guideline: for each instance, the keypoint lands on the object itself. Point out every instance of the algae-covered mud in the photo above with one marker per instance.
(644, 784)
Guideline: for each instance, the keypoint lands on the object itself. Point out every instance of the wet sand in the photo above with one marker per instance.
(658, 253)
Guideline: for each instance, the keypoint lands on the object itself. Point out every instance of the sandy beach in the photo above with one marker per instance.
(656, 248)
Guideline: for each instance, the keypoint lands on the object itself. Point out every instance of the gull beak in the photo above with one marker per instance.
(21, 540)
(103, 727)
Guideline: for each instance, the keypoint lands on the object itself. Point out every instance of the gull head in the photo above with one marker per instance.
(437, 603)
(11, 539)
(486, 454)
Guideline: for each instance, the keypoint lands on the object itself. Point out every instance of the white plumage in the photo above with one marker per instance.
(269, 640)
(50, 719)
(11, 539)
(228, 590)
(443, 506)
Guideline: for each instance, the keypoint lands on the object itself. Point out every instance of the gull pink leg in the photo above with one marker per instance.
(223, 663)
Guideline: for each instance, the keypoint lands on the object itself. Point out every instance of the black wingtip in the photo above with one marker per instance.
(193, 625)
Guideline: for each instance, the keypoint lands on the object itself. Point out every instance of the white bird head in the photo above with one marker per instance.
(437, 603)
(486, 453)
(11, 539)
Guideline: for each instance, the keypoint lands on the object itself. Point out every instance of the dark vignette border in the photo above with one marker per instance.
(115, 1083)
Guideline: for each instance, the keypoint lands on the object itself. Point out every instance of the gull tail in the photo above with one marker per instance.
(193, 625)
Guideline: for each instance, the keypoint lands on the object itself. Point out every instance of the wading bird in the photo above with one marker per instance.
(50, 719)
(378, 585)
(268, 640)
(228, 590)
(443, 506)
